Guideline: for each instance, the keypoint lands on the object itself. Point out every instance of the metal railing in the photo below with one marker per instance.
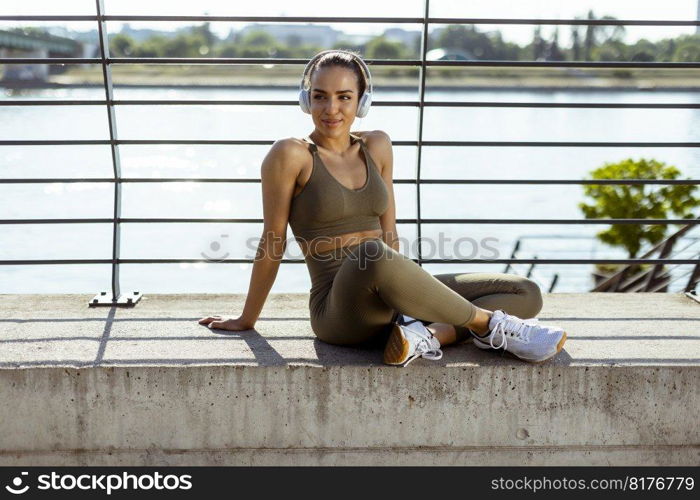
(107, 62)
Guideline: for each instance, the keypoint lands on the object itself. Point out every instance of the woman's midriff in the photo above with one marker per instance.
(309, 248)
(323, 267)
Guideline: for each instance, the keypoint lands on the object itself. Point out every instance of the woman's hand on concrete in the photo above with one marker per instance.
(233, 324)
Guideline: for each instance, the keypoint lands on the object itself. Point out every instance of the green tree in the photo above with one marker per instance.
(665, 49)
(554, 53)
(575, 42)
(589, 38)
(467, 38)
(643, 50)
(598, 34)
(204, 31)
(503, 51)
(539, 46)
(294, 41)
(186, 45)
(688, 49)
(257, 52)
(258, 44)
(122, 45)
(637, 201)
(258, 38)
(381, 48)
(611, 50)
(153, 46)
(227, 49)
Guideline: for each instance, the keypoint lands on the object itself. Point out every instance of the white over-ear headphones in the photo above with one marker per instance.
(365, 99)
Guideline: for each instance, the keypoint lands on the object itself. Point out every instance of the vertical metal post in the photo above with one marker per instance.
(421, 107)
(116, 297)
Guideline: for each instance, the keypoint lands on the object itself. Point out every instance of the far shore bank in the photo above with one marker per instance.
(507, 79)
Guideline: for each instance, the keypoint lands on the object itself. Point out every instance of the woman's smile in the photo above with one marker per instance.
(331, 123)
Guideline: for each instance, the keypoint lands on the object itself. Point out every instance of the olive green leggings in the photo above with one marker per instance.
(357, 291)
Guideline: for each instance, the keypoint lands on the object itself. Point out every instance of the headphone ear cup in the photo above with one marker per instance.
(304, 101)
(365, 103)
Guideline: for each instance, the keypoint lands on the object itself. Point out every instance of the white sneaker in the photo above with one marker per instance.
(410, 339)
(526, 339)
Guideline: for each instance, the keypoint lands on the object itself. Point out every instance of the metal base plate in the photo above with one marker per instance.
(106, 299)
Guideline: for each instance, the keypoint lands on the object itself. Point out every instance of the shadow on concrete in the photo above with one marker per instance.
(367, 354)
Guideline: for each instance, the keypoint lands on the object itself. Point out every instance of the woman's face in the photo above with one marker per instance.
(334, 100)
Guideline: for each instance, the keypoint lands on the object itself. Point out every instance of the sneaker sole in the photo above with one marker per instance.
(560, 346)
(397, 347)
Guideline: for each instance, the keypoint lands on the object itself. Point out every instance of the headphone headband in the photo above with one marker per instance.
(365, 100)
(363, 67)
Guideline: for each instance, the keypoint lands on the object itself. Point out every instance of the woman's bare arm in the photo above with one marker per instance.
(278, 174)
(382, 152)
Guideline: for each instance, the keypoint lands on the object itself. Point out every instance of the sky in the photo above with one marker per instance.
(552, 9)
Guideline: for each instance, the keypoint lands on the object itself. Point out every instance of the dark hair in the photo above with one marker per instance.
(344, 61)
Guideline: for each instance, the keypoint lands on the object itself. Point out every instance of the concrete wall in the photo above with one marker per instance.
(350, 415)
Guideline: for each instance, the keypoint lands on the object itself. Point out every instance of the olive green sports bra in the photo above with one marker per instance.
(325, 207)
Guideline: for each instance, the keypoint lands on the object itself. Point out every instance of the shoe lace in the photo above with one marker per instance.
(430, 352)
(424, 347)
(513, 327)
(425, 351)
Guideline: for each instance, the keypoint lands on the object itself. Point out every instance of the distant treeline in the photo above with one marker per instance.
(589, 43)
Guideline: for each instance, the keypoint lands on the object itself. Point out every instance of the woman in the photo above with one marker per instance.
(334, 188)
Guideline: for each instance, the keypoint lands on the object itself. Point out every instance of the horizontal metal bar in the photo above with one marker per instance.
(150, 220)
(580, 22)
(432, 104)
(57, 102)
(48, 18)
(251, 142)
(373, 62)
(600, 182)
(58, 221)
(591, 144)
(66, 181)
(611, 105)
(301, 261)
(50, 60)
(68, 142)
(644, 222)
(355, 19)
(562, 64)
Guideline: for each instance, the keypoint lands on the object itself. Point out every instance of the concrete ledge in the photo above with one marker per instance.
(149, 386)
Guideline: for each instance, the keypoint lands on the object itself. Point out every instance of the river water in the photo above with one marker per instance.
(214, 241)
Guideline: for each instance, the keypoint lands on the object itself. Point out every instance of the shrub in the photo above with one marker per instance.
(637, 201)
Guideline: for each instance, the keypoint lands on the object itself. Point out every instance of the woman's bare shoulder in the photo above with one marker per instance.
(290, 152)
(378, 137)
(289, 147)
(379, 145)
